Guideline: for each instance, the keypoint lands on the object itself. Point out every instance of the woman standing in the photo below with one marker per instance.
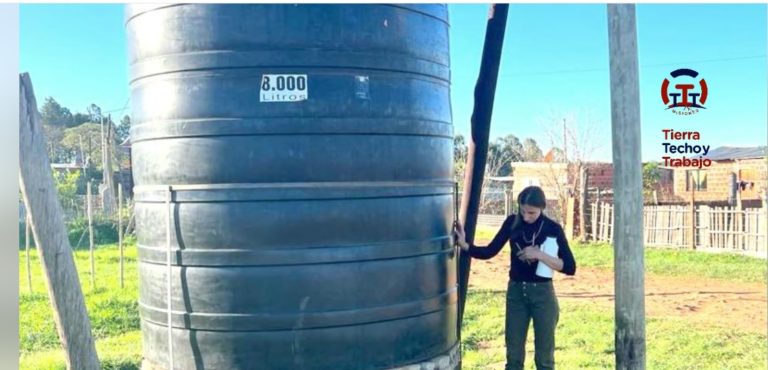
(529, 296)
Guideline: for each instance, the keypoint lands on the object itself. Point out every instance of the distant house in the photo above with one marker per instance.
(554, 177)
(66, 167)
(735, 172)
(560, 181)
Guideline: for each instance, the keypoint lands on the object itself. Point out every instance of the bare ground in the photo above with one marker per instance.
(712, 302)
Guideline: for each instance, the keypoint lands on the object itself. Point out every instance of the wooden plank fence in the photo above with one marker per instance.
(726, 229)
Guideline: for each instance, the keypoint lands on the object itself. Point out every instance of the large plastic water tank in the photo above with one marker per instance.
(307, 151)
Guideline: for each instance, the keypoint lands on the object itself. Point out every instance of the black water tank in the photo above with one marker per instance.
(308, 149)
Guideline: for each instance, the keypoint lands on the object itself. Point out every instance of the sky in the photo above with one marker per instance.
(554, 68)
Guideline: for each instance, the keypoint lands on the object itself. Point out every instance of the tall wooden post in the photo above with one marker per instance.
(47, 223)
(583, 204)
(627, 185)
(569, 217)
(739, 206)
(596, 218)
(477, 152)
(692, 216)
(120, 231)
(763, 229)
(90, 233)
(508, 202)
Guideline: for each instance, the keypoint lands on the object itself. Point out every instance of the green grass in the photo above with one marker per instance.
(121, 352)
(667, 262)
(113, 311)
(485, 232)
(585, 340)
(585, 333)
(680, 263)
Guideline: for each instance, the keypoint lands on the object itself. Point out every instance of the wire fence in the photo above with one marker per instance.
(89, 224)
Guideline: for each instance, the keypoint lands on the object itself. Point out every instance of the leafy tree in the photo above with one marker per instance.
(66, 187)
(509, 149)
(84, 141)
(531, 151)
(55, 119)
(651, 177)
(511, 145)
(94, 112)
(53, 114)
(459, 159)
(80, 118)
(123, 129)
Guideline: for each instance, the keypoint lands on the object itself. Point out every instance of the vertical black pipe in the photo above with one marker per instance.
(485, 90)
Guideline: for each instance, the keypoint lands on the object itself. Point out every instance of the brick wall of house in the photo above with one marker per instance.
(719, 180)
(600, 175)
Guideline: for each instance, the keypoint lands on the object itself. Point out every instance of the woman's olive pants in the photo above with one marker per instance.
(526, 301)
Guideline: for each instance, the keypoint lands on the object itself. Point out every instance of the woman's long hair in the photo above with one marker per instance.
(532, 196)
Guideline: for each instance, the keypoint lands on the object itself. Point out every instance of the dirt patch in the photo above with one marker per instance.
(714, 302)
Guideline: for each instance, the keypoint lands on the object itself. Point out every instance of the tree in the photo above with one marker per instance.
(80, 118)
(512, 146)
(53, 137)
(578, 137)
(53, 114)
(531, 151)
(66, 187)
(499, 158)
(55, 119)
(555, 155)
(459, 158)
(84, 141)
(123, 130)
(94, 112)
(651, 177)
(497, 165)
(512, 151)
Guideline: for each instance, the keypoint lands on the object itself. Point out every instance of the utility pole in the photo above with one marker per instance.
(628, 198)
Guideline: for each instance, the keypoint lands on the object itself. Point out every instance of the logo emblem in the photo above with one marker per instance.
(684, 98)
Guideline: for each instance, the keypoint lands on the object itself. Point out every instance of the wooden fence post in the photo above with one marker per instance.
(120, 231)
(594, 221)
(45, 215)
(569, 221)
(507, 202)
(762, 228)
(89, 200)
(583, 205)
(692, 240)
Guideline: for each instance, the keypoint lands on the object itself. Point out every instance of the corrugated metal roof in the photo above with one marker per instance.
(729, 152)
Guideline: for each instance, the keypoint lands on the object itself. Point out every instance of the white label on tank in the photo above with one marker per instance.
(283, 88)
(362, 90)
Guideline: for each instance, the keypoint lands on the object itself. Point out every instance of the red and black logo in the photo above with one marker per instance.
(684, 99)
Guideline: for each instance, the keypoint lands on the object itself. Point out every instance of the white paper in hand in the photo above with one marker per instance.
(549, 247)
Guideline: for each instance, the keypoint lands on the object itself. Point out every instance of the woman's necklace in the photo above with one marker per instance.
(533, 238)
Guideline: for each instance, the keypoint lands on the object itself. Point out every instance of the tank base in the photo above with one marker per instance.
(448, 361)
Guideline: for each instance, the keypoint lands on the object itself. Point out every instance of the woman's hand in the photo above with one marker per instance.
(531, 253)
(460, 237)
